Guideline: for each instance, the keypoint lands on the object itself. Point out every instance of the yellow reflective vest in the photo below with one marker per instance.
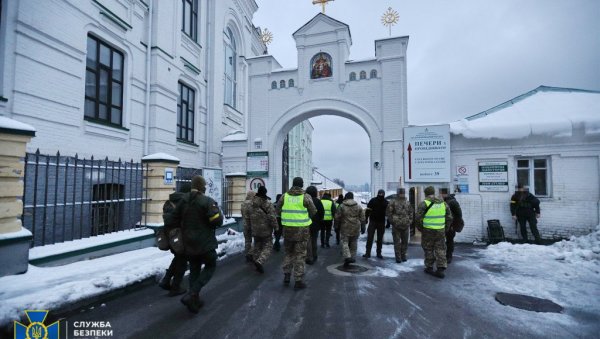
(435, 218)
(293, 212)
(327, 207)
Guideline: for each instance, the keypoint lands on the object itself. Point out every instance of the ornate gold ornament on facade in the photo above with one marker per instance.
(322, 3)
(390, 18)
(266, 36)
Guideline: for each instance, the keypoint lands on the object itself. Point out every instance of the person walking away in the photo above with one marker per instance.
(336, 225)
(433, 220)
(315, 226)
(457, 221)
(351, 218)
(276, 244)
(264, 222)
(295, 209)
(174, 275)
(376, 215)
(199, 216)
(400, 214)
(247, 226)
(525, 207)
(329, 212)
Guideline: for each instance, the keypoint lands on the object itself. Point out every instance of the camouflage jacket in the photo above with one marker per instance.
(262, 217)
(400, 213)
(351, 218)
(297, 233)
(246, 212)
(422, 207)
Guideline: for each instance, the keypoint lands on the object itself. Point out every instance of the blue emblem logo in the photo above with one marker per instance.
(36, 328)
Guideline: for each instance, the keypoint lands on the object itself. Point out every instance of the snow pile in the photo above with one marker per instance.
(582, 250)
(585, 248)
(566, 272)
(49, 288)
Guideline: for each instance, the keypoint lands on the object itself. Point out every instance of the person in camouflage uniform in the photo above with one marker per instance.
(351, 219)
(457, 221)
(433, 220)
(400, 214)
(263, 220)
(295, 237)
(247, 226)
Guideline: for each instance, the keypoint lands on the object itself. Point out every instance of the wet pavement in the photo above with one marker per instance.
(383, 301)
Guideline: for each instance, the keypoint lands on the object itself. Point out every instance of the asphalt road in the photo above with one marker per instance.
(241, 303)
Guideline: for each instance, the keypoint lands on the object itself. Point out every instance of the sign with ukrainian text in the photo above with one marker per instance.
(257, 164)
(427, 153)
(493, 176)
(214, 183)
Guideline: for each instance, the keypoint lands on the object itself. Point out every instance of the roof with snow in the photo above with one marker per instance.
(321, 182)
(236, 136)
(550, 111)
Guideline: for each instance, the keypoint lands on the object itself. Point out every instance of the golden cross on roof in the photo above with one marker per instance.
(323, 3)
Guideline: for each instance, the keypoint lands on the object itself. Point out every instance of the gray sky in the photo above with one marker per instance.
(464, 56)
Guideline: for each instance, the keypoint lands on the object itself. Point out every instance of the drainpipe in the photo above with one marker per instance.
(148, 70)
(208, 72)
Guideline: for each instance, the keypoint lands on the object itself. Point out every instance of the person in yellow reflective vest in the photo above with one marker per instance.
(295, 208)
(329, 207)
(433, 220)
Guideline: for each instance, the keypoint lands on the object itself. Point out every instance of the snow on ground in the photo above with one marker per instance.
(49, 288)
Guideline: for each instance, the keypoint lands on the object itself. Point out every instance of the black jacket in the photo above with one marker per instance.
(454, 208)
(524, 204)
(376, 209)
(317, 219)
(198, 215)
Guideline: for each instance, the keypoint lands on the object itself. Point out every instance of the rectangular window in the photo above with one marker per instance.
(185, 113)
(189, 22)
(103, 83)
(533, 172)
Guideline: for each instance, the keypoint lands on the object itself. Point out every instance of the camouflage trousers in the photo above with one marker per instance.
(247, 239)
(263, 246)
(401, 237)
(349, 244)
(434, 246)
(295, 255)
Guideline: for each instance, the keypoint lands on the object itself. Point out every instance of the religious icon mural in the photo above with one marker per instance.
(320, 66)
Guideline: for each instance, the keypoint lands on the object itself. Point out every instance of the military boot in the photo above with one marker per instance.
(429, 270)
(176, 288)
(440, 273)
(192, 301)
(259, 267)
(298, 285)
(286, 279)
(165, 282)
(347, 262)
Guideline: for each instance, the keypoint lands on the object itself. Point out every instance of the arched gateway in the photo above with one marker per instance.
(370, 92)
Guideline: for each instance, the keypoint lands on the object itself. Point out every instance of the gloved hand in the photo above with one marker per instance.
(387, 225)
(362, 229)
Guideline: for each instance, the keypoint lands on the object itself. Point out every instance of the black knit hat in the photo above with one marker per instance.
(298, 182)
(199, 183)
(262, 191)
(429, 190)
(381, 192)
(349, 195)
(312, 191)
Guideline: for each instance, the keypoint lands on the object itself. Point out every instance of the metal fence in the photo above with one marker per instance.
(67, 198)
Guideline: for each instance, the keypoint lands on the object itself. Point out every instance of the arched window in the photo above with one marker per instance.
(230, 68)
(274, 85)
(320, 66)
(282, 84)
(373, 73)
(291, 83)
(352, 76)
(363, 75)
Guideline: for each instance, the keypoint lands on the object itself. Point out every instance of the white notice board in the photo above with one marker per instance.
(427, 153)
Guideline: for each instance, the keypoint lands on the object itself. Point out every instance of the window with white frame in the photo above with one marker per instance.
(534, 173)
(230, 68)
(189, 22)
